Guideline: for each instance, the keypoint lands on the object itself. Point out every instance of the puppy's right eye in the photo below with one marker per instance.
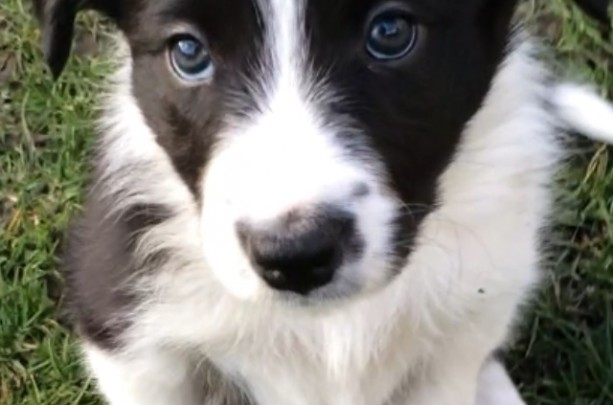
(392, 35)
(190, 59)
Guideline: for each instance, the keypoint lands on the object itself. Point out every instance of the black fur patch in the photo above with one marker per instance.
(414, 111)
(57, 19)
(186, 119)
(97, 266)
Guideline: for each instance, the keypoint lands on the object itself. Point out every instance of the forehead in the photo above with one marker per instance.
(236, 26)
(226, 11)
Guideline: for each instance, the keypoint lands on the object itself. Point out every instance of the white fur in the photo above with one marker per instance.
(285, 159)
(496, 388)
(585, 112)
(432, 329)
(155, 378)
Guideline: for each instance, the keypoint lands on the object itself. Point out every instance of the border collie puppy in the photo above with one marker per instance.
(314, 202)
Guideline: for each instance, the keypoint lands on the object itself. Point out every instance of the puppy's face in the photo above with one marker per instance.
(311, 133)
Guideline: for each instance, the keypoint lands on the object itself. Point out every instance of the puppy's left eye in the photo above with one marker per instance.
(190, 59)
(392, 35)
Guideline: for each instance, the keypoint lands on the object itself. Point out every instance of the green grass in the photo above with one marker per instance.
(564, 355)
(45, 130)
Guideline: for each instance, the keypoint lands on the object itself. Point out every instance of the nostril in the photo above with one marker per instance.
(302, 254)
(274, 277)
(360, 190)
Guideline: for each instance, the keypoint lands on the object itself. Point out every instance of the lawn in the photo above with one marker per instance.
(564, 354)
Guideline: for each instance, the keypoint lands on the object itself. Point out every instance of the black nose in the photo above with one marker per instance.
(301, 252)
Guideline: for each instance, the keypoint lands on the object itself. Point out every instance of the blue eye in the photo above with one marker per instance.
(391, 36)
(190, 60)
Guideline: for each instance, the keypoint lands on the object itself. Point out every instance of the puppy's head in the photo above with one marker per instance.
(310, 133)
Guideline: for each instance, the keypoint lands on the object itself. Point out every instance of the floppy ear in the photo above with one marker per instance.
(597, 9)
(57, 19)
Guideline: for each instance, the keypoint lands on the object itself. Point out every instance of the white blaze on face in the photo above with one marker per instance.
(284, 158)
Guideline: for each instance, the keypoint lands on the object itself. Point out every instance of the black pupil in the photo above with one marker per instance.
(391, 36)
(190, 56)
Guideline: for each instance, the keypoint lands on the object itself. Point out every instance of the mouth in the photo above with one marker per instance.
(338, 291)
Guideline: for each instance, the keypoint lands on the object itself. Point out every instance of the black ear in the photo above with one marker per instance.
(597, 9)
(57, 19)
